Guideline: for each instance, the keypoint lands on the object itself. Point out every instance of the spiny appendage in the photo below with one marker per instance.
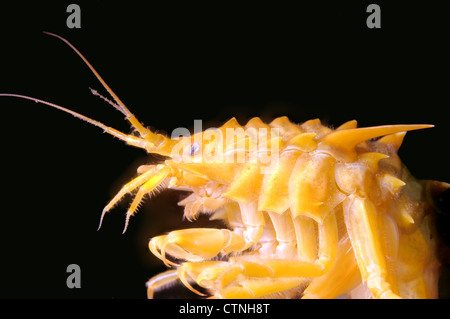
(147, 183)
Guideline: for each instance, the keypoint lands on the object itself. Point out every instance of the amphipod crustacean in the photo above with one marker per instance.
(311, 211)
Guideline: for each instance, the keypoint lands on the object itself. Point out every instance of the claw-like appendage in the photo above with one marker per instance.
(156, 245)
(196, 244)
(182, 275)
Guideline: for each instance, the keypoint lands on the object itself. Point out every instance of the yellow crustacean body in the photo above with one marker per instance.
(334, 214)
(310, 211)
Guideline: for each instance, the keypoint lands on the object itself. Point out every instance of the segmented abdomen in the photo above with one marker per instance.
(320, 171)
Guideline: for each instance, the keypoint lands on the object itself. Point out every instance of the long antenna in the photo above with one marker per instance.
(130, 139)
(121, 107)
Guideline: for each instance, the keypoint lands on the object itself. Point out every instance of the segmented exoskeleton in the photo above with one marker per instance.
(312, 212)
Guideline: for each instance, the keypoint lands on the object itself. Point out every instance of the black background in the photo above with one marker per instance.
(171, 64)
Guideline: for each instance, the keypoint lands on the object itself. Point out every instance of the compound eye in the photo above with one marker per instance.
(194, 148)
